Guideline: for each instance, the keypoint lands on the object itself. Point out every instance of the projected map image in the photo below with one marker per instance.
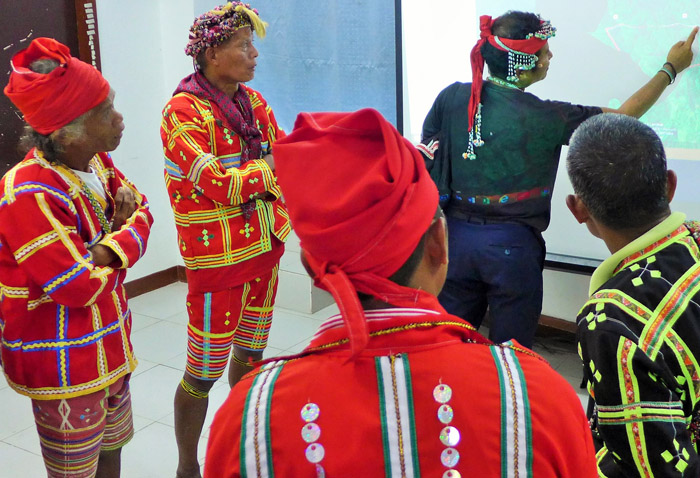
(605, 50)
(645, 32)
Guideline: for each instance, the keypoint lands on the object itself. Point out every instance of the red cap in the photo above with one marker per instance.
(51, 101)
(360, 199)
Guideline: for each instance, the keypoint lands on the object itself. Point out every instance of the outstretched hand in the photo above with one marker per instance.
(681, 54)
(124, 207)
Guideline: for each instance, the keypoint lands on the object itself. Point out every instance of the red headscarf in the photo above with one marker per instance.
(530, 46)
(51, 101)
(360, 200)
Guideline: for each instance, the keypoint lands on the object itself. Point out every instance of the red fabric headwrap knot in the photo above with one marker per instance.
(531, 45)
(360, 200)
(51, 101)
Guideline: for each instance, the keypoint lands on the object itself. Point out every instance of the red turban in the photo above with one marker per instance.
(360, 199)
(51, 101)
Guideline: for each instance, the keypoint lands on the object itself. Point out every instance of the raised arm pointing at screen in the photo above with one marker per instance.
(497, 159)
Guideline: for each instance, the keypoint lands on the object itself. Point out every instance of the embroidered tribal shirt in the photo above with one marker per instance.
(639, 339)
(64, 322)
(207, 186)
(427, 396)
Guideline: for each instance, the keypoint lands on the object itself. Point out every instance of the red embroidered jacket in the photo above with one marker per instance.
(64, 322)
(428, 395)
(207, 186)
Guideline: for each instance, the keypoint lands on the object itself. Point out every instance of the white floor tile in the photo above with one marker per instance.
(15, 413)
(3, 382)
(152, 453)
(139, 321)
(159, 342)
(290, 328)
(178, 362)
(140, 423)
(27, 440)
(143, 366)
(161, 303)
(153, 391)
(15, 463)
(180, 318)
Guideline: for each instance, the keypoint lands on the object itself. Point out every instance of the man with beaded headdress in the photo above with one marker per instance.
(218, 136)
(70, 226)
(495, 167)
(392, 385)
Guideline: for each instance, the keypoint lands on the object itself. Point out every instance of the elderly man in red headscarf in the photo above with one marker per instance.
(392, 385)
(70, 226)
(495, 167)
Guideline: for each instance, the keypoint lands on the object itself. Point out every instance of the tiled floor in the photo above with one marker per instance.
(159, 339)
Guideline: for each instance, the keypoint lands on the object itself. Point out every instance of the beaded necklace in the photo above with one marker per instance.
(501, 82)
(392, 330)
(106, 227)
(104, 223)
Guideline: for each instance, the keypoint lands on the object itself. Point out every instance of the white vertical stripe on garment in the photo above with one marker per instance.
(515, 429)
(400, 452)
(256, 426)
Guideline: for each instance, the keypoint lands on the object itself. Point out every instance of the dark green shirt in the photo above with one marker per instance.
(523, 136)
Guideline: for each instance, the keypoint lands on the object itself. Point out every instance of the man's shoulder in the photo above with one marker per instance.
(30, 172)
(253, 93)
(457, 89)
(185, 102)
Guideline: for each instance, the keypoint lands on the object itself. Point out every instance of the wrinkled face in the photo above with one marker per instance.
(236, 57)
(103, 126)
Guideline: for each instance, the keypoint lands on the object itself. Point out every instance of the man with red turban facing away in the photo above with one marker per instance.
(495, 167)
(70, 226)
(392, 385)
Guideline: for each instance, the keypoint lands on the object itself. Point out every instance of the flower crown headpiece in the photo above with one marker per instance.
(217, 25)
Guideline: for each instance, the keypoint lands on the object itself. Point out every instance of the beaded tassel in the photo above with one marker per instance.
(475, 140)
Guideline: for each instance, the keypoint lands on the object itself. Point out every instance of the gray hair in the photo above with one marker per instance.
(617, 166)
(48, 143)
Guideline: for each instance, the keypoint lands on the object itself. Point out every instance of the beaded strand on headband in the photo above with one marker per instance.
(517, 60)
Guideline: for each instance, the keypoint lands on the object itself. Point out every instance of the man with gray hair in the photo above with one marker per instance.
(639, 333)
(70, 226)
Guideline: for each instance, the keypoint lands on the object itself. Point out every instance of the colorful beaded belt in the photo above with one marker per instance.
(506, 198)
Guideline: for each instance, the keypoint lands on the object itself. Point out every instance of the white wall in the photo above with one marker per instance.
(141, 46)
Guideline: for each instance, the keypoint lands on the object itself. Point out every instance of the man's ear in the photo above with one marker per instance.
(210, 55)
(436, 242)
(671, 183)
(577, 208)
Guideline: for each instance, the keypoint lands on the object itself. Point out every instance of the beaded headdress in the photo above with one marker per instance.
(521, 56)
(217, 25)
